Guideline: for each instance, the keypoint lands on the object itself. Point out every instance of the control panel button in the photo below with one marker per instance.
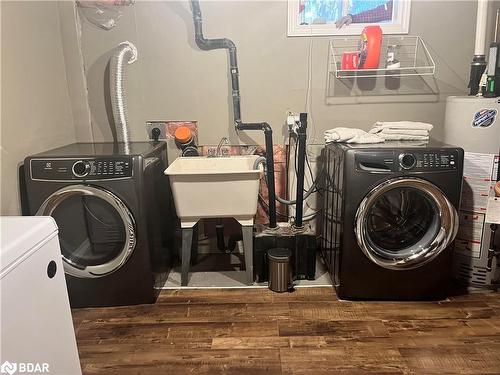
(407, 161)
(81, 168)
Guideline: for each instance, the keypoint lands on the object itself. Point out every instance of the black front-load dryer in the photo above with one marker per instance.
(390, 216)
(112, 207)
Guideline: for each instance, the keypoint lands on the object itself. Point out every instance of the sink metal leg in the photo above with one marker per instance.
(247, 232)
(187, 240)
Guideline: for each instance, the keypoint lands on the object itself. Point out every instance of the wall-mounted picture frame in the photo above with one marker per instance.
(347, 17)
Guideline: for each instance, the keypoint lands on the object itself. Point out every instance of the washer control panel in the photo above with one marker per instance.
(428, 160)
(401, 160)
(81, 169)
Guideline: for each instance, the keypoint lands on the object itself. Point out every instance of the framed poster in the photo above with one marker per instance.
(347, 17)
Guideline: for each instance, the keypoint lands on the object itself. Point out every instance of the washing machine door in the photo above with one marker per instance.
(404, 223)
(97, 232)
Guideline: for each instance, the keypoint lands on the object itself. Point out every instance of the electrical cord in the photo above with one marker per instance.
(309, 166)
(279, 199)
(312, 189)
(305, 218)
(306, 195)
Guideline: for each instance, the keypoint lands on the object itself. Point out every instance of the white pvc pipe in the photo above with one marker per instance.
(482, 15)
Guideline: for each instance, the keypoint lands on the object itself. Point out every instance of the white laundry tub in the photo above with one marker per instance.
(217, 187)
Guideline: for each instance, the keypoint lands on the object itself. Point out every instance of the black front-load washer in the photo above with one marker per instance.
(390, 216)
(113, 209)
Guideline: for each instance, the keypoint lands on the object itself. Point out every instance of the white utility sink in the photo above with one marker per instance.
(207, 187)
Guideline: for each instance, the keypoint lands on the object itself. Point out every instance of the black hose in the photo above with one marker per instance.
(224, 43)
(268, 134)
(301, 132)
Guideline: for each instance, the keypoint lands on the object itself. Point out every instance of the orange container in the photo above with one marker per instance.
(183, 134)
(370, 45)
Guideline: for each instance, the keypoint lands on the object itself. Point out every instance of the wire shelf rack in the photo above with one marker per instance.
(411, 52)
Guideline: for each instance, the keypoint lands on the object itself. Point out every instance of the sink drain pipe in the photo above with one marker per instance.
(224, 43)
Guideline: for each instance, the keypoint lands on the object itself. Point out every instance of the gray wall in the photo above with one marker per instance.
(44, 91)
(36, 109)
(174, 80)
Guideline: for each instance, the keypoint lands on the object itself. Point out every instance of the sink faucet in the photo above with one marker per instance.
(223, 141)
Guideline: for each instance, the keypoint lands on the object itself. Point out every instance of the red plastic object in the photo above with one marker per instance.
(350, 60)
(371, 41)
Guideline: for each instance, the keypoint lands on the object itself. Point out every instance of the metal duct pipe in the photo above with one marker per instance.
(224, 43)
(125, 53)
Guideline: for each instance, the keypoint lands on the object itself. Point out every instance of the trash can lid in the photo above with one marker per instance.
(279, 254)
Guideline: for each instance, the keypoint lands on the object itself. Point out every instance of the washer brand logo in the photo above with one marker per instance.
(24, 368)
(484, 118)
(8, 368)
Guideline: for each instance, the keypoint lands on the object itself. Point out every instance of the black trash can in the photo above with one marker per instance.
(280, 270)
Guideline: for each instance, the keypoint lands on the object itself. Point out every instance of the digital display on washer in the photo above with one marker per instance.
(81, 169)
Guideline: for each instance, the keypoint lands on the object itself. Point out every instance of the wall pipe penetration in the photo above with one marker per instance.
(125, 53)
(224, 43)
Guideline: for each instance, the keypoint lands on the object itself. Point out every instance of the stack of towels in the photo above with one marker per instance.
(381, 132)
(402, 130)
(351, 135)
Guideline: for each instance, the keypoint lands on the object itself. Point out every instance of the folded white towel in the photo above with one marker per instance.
(425, 133)
(406, 125)
(350, 135)
(403, 137)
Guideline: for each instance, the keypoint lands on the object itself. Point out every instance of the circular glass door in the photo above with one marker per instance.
(404, 223)
(96, 229)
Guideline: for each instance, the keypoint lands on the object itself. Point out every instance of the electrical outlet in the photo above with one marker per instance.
(161, 125)
(291, 119)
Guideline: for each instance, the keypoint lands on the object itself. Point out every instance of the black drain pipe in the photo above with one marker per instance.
(301, 144)
(224, 43)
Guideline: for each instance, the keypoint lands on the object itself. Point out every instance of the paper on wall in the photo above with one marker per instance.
(476, 187)
(470, 234)
(478, 165)
(493, 211)
(475, 194)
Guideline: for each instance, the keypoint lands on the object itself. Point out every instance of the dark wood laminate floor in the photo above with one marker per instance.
(252, 331)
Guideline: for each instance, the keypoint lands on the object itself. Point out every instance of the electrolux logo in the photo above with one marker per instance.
(12, 368)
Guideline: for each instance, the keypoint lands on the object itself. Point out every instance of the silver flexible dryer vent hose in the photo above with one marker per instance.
(126, 52)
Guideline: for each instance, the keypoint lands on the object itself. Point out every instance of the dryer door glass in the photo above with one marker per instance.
(404, 223)
(96, 230)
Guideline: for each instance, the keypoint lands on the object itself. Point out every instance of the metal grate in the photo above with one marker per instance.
(331, 238)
